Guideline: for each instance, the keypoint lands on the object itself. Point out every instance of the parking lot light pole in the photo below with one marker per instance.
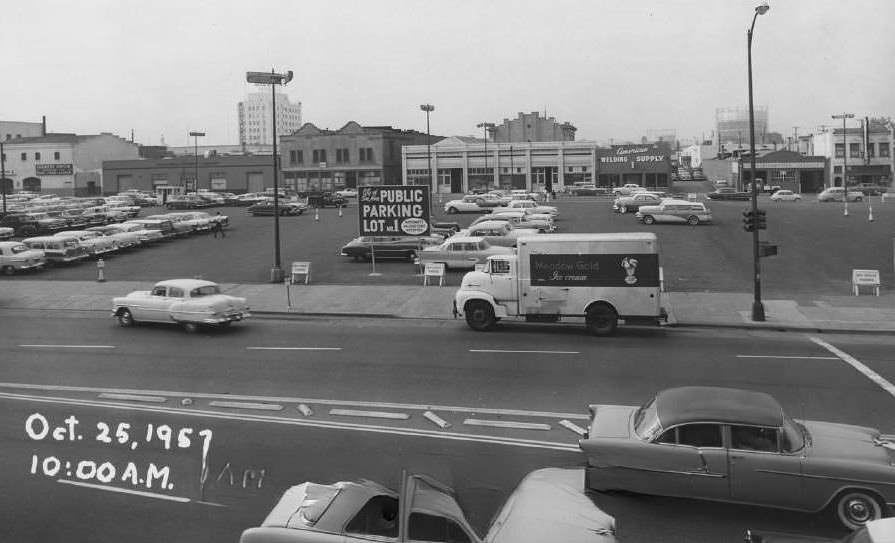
(195, 136)
(757, 307)
(844, 116)
(429, 108)
(485, 127)
(273, 79)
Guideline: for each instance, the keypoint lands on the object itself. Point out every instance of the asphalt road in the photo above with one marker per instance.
(395, 365)
(818, 244)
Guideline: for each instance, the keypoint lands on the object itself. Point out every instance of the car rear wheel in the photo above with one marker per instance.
(480, 315)
(452, 210)
(8, 270)
(855, 508)
(692, 220)
(601, 320)
(125, 318)
(623, 209)
(648, 219)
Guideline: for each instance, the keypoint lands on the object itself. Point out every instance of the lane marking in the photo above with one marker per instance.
(507, 424)
(568, 425)
(247, 405)
(443, 424)
(48, 346)
(294, 348)
(133, 397)
(251, 417)
(788, 357)
(855, 363)
(372, 414)
(293, 400)
(523, 352)
(125, 491)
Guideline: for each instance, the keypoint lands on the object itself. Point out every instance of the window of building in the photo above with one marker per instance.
(24, 156)
(292, 156)
(854, 150)
(840, 150)
(36, 156)
(837, 169)
(883, 149)
(366, 154)
(56, 155)
(363, 154)
(300, 156)
(316, 155)
(322, 155)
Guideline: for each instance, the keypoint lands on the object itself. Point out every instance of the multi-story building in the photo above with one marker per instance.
(352, 156)
(65, 164)
(10, 130)
(256, 117)
(869, 149)
(462, 164)
(531, 127)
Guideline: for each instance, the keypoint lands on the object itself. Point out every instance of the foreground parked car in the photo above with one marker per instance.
(739, 446)
(461, 252)
(875, 531)
(192, 303)
(16, 256)
(548, 505)
(62, 250)
(406, 247)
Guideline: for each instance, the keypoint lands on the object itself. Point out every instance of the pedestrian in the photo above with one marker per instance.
(218, 226)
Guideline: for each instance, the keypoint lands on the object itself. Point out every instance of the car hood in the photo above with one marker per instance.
(550, 505)
(845, 442)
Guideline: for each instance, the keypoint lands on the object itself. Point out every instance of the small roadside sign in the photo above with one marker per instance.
(865, 278)
(433, 270)
(301, 268)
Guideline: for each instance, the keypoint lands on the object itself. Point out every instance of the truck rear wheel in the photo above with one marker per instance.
(480, 315)
(601, 320)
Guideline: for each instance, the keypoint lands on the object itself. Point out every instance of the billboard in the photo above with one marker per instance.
(53, 169)
(595, 270)
(393, 210)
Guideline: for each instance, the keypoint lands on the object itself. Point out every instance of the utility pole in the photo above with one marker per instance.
(844, 116)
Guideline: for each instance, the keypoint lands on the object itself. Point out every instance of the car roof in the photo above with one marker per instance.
(717, 404)
(323, 507)
(187, 284)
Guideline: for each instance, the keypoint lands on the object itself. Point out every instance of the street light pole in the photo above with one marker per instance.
(195, 136)
(485, 127)
(273, 79)
(757, 306)
(3, 175)
(844, 116)
(429, 108)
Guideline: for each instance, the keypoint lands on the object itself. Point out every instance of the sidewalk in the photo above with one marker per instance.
(865, 313)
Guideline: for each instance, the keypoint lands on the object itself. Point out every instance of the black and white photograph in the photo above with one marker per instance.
(457, 271)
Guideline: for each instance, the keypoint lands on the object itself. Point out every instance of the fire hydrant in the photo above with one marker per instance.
(100, 265)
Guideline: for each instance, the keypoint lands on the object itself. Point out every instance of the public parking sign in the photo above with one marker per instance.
(393, 210)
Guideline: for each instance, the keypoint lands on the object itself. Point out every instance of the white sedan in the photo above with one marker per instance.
(96, 243)
(192, 303)
(347, 193)
(785, 196)
(472, 203)
(533, 207)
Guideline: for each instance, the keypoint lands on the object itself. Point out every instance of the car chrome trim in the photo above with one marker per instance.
(699, 472)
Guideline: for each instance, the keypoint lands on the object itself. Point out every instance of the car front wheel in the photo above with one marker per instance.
(125, 318)
(601, 320)
(855, 508)
(623, 209)
(692, 220)
(8, 270)
(648, 219)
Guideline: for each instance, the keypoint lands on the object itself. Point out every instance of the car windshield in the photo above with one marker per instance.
(646, 421)
(207, 290)
(793, 436)
(16, 249)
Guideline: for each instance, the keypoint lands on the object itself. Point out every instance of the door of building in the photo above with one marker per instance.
(254, 182)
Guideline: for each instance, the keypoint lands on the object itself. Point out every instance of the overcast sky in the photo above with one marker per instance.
(613, 68)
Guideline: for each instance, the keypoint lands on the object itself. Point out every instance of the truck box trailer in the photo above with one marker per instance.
(598, 278)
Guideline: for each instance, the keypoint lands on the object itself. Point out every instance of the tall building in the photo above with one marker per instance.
(256, 118)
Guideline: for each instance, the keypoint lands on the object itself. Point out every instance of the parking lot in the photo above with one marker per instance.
(818, 248)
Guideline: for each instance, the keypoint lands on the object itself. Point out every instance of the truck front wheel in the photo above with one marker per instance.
(601, 320)
(480, 315)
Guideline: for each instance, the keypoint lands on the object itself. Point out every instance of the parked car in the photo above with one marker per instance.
(404, 247)
(285, 207)
(181, 225)
(74, 218)
(869, 189)
(444, 229)
(533, 207)
(104, 214)
(7, 232)
(146, 235)
(118, 232)
(728, 193)
(58, 250)
(460, 252)
(734, 445)
(192, 303)
(163, 226)
(586, 190)
(633, 202)
(838, 194)
(471, 203)
(347, 193)
(522, 218)
(497, 232)
(627, 189)
(16, 256)
(784, 195)
(250, 198)
(675, 211)
(32, 224)
(548, 505)
(326, 199)
(95, 242)
(187, 201)
(875, 531)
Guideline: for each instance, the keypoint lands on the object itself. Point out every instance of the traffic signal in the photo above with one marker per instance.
(755, 220)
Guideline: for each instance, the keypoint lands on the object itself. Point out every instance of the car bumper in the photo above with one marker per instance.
(229, 317)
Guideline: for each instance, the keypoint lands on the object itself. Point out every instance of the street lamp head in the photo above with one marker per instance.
(762, 8)
(427, 107)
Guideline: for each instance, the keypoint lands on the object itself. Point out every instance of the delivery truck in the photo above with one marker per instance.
(600, 279)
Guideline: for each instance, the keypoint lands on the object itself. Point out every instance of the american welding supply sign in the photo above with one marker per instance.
(393, 210)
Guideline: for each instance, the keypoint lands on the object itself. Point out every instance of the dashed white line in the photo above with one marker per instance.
(523, 352)
(855, 363)
(294, 348)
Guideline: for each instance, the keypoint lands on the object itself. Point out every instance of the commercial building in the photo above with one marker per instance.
(461, 165)
(256, 117)
(869, 149)
(531, 127)
(64, 164)
(352, 156)
(179, 174)
(785, 169)
(10, 130)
